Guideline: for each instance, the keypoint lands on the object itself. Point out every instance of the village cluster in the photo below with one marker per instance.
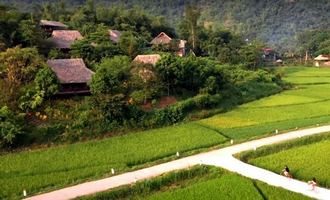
(74, 75)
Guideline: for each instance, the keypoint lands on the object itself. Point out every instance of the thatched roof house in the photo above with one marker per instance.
(114, 35)
(63, 39)
(72, 74)
(179, 46)
(161, 38)
(322, 60)
(147, 59)
(52, 24)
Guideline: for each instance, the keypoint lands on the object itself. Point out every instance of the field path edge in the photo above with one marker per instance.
(220, 158)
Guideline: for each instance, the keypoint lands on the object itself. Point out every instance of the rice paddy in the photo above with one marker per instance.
(213, 183)
(52, 168)
(306, 104)
(305, 162)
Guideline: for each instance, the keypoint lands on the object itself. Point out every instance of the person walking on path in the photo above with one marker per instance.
(312, 183)
(286, 172)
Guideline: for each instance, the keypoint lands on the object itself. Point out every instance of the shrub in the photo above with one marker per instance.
(48, 133)
(11, 125)
(177, 112)
(138, 96)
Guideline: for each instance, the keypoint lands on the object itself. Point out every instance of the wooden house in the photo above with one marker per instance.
(269, 55)
(163, 40)
(114, 35)
(147, 59)
(50, 26)
(322, 60)
(72, 74)
(63, 39)
(143, 65)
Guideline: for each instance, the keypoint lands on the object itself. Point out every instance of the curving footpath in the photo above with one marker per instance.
(221, 158)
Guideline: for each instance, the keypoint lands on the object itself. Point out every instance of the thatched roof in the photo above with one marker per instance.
(321, 58)
(162, 38)
(147, 59)
(63, 39)
(52, 23)
(114, 35)
(71, 70)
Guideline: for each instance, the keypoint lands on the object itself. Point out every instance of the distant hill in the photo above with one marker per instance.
(273, 21)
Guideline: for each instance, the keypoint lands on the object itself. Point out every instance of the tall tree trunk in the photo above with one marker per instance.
(193, 35)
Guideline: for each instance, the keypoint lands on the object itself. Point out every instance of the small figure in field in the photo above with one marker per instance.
(286, 172)
(312, 183)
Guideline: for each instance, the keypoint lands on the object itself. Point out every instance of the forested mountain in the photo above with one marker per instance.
(274, 21)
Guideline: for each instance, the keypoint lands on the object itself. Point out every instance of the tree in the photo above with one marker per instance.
(47, 82)
(113, 107)
(32, 34)
(188, 73)
(211, 85)
(145, 82)
(223, 45)
(189, 25)
(21, 64)
(45, 85)
(110, 87)
(166, 70)
(251, 55)
(95, 46)
(111, 76)
(130, 44)
(310, 41)
(11, 125)
(84, 15)
(324, 48)
(9, 25)
(48, 11)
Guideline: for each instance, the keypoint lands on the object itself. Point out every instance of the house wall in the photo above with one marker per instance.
(74, 88)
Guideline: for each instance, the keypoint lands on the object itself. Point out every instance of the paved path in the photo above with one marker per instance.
(221, 158)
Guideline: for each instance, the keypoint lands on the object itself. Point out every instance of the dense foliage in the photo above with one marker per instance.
(314, 42)
(11, 126)
(275, 22)
(125, 95)
(140, 147)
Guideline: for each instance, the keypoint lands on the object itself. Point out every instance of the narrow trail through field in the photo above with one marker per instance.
(222, 158)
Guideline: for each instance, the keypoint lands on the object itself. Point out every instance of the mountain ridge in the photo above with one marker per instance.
(275, 22)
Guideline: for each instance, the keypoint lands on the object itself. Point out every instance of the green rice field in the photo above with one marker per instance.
(229, 186)
(306, 104)
(305, 162)
(48, 169)
(57, 167)
(215, 183)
